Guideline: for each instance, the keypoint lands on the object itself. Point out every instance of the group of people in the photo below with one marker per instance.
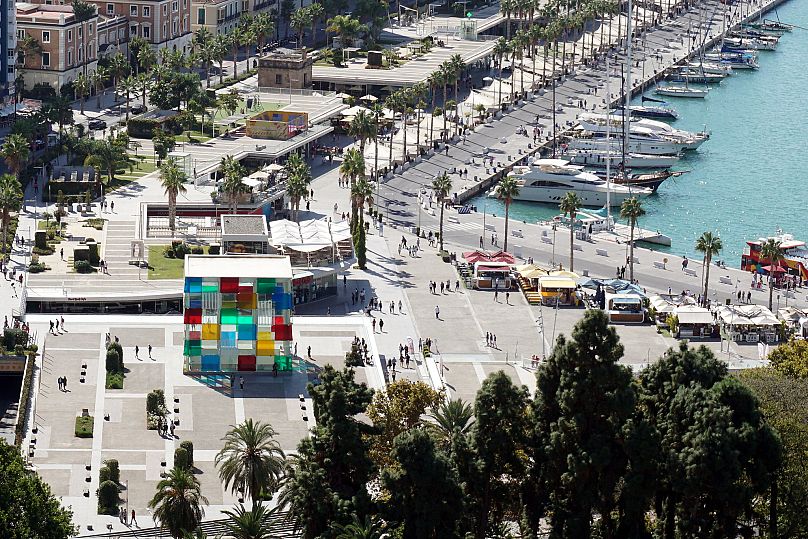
(17, 325)
(491, 340)
(444, 287)
(55, 325)
(534, 361)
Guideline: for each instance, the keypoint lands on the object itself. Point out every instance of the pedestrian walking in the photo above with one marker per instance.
(112, 209)
(137, 351)
(59, 383)
(507, 298)
(457, 285)
(241, 383)
(64, 383)
(62, 253)
(62, 319)
(399, 307)
(495, 340)
(122, 515)
(437, 312)
(134, 519)
(496, 295)
(374, 325)
(308, 352)
(150, 349)
(441, 287)
(172, 426)
(51, 327)
(381, 325)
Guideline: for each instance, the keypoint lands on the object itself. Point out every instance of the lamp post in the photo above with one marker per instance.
(552, 261)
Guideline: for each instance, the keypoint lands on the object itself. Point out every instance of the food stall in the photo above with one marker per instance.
(694, 321)
(557, 289)
(748, 323)
(625, 307)
(490, 275)
(796, 320)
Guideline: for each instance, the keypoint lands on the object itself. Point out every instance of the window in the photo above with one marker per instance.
(146, 11)
(45, 36)
(69, 36)
(174, 27)
(81, 32)
(110, 9)
(175, 6)
(185, 3)
(132, 11)
(278, 78)
(81, 54)
(133, 30)
(20, 34)
(91, 28)
(70, 57)
(200, 16)
(45, 59)
(146, 32)
(165, 9)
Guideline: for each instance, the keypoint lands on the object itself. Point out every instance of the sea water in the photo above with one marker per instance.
(751, 178)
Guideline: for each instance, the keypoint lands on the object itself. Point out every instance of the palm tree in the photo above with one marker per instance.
(218, 52)
(98, 78)
(251, 460)
(262, 25)
(15, 152)
(448, 78)
(202, 41)
(10, 201)
(368, 528)
(234, 41)
(252, 524)
(177, 504)
(316, 12)
(772, 252)
(362, 127)
(352, 168)
(435, 81)
(631, 210)
(296, 190)
(506, 190)
(81, 87)
(450, 420)
(393, 102)
(457, 65)
(442, 186)
(570, 204)
(173, 179)
(233, 172)
(26, 47)
(361, 193)
(501, 49)
(118, 68)
(129, 86)
(709, 245)
(346, 27)
(300, 20)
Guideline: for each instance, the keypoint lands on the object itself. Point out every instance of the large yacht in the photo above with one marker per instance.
(596, 123)
(647, 143)
(548, 180)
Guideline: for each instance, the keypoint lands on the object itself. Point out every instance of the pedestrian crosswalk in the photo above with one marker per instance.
(476, 228)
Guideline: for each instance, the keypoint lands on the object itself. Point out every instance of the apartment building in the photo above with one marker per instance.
(68, 46)
(163, 23)
(113, 36)
(221, 16)
(8, 50)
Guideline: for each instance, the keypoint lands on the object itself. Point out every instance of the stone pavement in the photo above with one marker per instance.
(202, 409)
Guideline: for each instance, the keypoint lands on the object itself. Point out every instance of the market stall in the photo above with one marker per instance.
(491, 275)
(694, 321)
(625, 307)
(748, 323)
(557, 289)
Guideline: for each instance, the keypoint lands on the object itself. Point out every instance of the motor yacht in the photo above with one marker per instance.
(549, 180)
(599, 159)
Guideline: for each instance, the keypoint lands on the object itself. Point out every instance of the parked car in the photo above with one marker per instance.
(140, 108)
(97, 124)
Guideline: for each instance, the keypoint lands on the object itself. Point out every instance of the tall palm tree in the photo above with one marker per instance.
(316, 12)
(202, 41)
(435, 80)
(352, 168)
(393, 103)
(98, 78)
(251, 460)
(173, 179)
(15, 152)
(234, 41)
(501, 49)
(27, 47)
(507, 189)
(81, 87)
(442, 186)
(570, 204)
(772, 252)
(368, 528)
(129, 86)
(296, 190)
(119, 67)
(448, 78)
(300, 20)
(457, 65)
(346, 27)
(450, 420)
(263, 26)
(218, 52)
(361, 193)
(631, 210)
(177, 504)
(709, 245)
(10, 201)
(252, 524)
(233, 187)
(362, 127)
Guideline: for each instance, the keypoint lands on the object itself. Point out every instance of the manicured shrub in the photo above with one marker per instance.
(155, 402)
(41, 239)
(108, 498)
(181, 458)
(84, 426)
(110, 472)
(113, 361)
(188, 445)
(13, 337)
(214, 249)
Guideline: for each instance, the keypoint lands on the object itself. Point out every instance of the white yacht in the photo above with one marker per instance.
(641, 140)
(711, 67)
(681, 91)
(599, 158)
(548, 180)
(596, 123)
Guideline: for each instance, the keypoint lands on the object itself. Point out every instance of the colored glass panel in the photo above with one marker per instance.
(229, 284)
(246, 363)
(265, 335)
(210, 363)
(229, 316)
(227, 339)
(246, 332)
(210, 331)
(265, 348)
(193, 316)
(249, 301)
(265, 286)
(193, 284)
(283, 332)
(194, 335)
(210, 287)
(193, 348)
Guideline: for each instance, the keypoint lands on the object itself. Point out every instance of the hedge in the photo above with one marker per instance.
(144, 127)
(188, 445)
(22, 418)
(181, 459)
(108, 498)
(84, 426)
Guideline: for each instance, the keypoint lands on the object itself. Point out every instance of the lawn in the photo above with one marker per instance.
(161, 267)
(196, 136)
(114, 380)
(84, 426)
(263, 106)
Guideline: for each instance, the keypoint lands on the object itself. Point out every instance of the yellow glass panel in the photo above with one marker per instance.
(265, 348)
(210, 332)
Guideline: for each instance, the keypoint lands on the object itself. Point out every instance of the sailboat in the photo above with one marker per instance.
(681, 91)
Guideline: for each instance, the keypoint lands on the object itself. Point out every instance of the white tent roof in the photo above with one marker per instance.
(747, 315)
(353, 111)
(693, 314)
(252, 182)
(307, 236)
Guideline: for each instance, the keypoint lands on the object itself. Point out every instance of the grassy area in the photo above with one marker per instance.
(263, 106)
(161, 267)
(84, 427)
(114, 380)
(96, 223)
(196, 136)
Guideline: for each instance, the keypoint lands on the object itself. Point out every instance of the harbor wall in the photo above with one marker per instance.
(484, 184)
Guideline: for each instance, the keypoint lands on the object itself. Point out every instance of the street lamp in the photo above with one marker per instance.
(552, 261)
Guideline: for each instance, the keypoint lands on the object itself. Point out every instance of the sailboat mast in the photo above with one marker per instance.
(627, 111)
(609, 141)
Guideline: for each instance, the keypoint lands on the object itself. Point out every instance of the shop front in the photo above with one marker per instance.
(313, 284)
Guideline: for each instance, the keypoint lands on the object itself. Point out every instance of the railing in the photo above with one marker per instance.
(296, 91)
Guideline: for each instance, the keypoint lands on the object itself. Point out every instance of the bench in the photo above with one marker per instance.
(691, 272)
(636, 260)
(545, 239)
(725, 280)
(576, 247)
(601, 252)
(659, 265)
(517, 234)
(453, 219)
(490, 228)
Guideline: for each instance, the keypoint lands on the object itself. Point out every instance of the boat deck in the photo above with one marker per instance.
(622, 234)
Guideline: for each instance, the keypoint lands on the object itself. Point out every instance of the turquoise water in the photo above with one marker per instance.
(751, 177)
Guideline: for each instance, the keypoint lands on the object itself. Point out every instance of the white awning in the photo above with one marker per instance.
(250, 181)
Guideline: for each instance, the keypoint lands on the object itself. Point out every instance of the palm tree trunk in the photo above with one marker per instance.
(440, 237)
(444, 108)
(404, 127)
(771, 287)
(207, 74)
(707, 277)
(221, 72)
(572, 240)
(631, 254)
(507, 211)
